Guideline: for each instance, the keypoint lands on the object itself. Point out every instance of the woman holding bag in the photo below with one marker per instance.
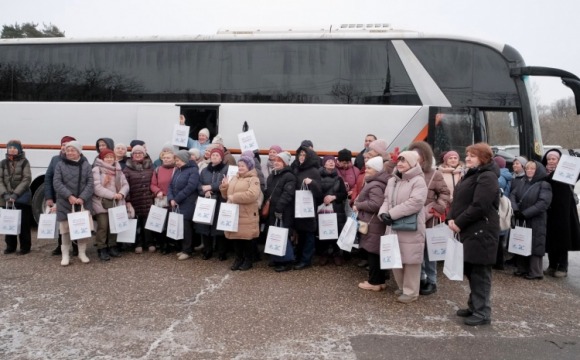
(15, 179)
(111, 188)
(244, 190)
(474, 216)
(405, 196)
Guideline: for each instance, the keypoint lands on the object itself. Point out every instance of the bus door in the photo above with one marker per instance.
(198, 117)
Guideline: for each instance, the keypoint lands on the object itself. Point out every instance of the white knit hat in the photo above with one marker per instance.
(375, 163)
(75, 144)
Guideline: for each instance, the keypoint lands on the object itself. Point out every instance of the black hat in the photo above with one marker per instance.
(137, 142)
(307, 143)
(345, 155)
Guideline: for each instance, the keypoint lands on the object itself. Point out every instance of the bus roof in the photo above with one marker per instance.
(344, 31)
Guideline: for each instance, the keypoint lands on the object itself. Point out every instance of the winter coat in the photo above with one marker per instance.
(183, 188)
(110, 145)
(281, 189)
(438, 196)
(533, 198)
(563, 229)
(359, 161)
(245, 190)
(474, 210)
(451, 176)
(368, 204)
(49, 192)
(138, 175)
(108, 180)
(332, 184)
(229, 159)
(308, 169)
(405, 195)
(349, 176)
(212, 175)
(517, 179)
(161, 179)
(505, 181)
(72, 178)
(267, 169)
(15, 179)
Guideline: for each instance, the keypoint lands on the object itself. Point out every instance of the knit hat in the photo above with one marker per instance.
(218, 140)
(285, 157)
(522, 160)
(217, 150)
(375, 163)
(412, 157)
(134, 143)
(277, 148)
(16, 144)
(248, 161)
(195, 152)
(137, 148)
(307, 143)
(554, 151)
(75, 144)
(66, 139)
(380, 146)
(326, 158)
(105, 152)
(345, 155)
(449, 154)
(205, 132)
(183, 155)
(500, 161)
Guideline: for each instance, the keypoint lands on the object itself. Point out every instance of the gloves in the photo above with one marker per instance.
(6, 197)
(519, 215)
(386, 219)
(278, 215)
(395, 155)
(13, 197)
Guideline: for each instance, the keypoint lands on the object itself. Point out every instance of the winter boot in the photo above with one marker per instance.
(103, 255)
(57, 251)
(246, 265)
(82, 245)
(64, 249)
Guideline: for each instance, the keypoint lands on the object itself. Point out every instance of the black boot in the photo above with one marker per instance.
(75, 248)
(57, 251)
(104, 255)
(114, 251)
(246, 265)
(237, 263)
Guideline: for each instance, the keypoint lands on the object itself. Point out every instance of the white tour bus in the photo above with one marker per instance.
(332, 86)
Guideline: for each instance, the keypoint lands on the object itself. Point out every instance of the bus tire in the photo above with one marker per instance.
(38, 202)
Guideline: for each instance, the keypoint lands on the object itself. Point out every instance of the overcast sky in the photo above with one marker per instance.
(545, 33)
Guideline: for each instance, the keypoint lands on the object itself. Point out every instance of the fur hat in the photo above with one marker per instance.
(248, 161)
(137, 148)
(106, 152)
(412, 157)
(16, 144)
(277, 148)
(218, 140)
(375, 163)
(380, 146)
(75, 144)
(522, 160)
(449, 154)
(218, 151)
(307, 143)
(345, 155)
(66, 139)
(204, 131)
(183, 155)
(285, 157)
(500, 161)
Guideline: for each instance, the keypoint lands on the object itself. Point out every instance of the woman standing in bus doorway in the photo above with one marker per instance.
(182, 195)
(530, 200)
(138, 172)
(436, 204)
(405, 195)
(563, 230)
(159, 188)
(307, 175)
(244, 190)
(73, 183)
(202, 141)
(475, 219)
(111, 188)
(15, 179)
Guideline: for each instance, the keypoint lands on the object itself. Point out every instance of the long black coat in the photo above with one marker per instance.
(563, 230)
(212, 175)
(474, 209)
(533, 198)
(332, 184)
(280, 189)
(308, 169)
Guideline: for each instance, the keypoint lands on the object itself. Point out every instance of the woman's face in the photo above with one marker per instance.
(517, 166)
(552, 160)
(168, 159)
(302, 156)
(272, 155)
(138, 155)
(12, 150)
(472, 161)
(109, 159)
(278, 164)
(452, 161)
(242, 168)
(72, 153)
(329, 165)
(402, 165)
(178, 162)
(215, 159)
(102, 145)
(120, 152)
(530, 169)
(202, 138)
(369, 172)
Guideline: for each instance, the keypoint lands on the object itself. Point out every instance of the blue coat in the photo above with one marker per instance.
(183, 188)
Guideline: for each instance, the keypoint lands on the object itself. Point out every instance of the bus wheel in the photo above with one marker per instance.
(38, 202)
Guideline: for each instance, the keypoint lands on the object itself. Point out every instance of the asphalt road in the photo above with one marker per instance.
(151, 306)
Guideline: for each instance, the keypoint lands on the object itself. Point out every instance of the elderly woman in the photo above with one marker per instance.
(73, 184)
(368, 204)
(244, 190)
(519, 173)
(452, 170)
(474, 217)
(160, 181)
(15, 179)
(121, 154)
(268, 167)
(530, 201)
(405, 195)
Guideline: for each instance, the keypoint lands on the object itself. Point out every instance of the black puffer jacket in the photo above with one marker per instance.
(474, 209)
(533, 198)
(72, 178)
(212, 175)
(308, 169)
(332, 184)
(280, 189)
(139, 178)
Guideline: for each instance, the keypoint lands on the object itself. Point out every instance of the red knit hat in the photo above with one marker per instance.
(217, 150)
(66, 139)
(105, 152)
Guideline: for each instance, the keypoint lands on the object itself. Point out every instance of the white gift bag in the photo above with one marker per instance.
(47, 226)
(567, 169)
(130, 234)
(276, 241)
(437, 241)
(80, 224)
(228, 217)
(204, 210)
(180, 135)
(327, 227)
(156, 219)
(10, 221)
(390, 252)
(248, 141)
(175, 225)
(232, 171)
(453, 265)
(304, 204)
(521, 241)
(118, 219)
(348, 234)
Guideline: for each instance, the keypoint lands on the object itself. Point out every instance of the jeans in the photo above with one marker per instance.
(306, 244)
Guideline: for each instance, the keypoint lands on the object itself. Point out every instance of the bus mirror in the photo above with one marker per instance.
(574, 85)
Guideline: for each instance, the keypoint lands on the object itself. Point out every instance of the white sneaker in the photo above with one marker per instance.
(198, 248)
(183, 256)
(179, 254)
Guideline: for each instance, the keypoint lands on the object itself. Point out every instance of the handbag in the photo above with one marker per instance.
(407, 223)
(363, 226)
(266, 209)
